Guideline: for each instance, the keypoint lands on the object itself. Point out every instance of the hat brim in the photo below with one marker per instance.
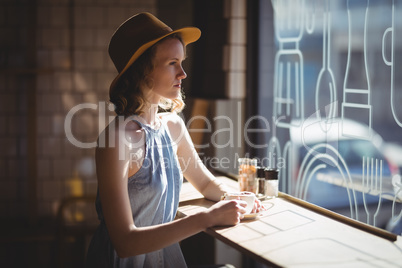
(188, 35)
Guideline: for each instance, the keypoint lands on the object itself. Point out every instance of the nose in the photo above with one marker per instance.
(182, 74)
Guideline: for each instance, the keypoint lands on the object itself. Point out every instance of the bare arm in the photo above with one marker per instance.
(193, 168)
(113, 169)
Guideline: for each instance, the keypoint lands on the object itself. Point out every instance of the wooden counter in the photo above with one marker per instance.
(291, 235)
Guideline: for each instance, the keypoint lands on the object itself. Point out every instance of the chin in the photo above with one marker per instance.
(175, 95)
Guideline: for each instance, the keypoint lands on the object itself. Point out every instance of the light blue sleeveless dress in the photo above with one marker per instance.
(154, 198)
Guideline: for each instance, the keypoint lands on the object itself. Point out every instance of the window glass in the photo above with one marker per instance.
(336, 100)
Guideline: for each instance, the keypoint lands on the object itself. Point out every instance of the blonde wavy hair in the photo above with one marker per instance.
(127, 95)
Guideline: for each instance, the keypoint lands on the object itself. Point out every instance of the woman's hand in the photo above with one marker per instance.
(226, 212)
(258, 206)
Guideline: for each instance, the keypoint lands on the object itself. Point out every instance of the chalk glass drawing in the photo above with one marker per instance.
(310, 18)
(357, 99)
(391, 62)
(288, 79)
(289, 22)
(274, 152)
(286, 171)
(326, 82)
(397, 184)
(372, 185)
(308, 169)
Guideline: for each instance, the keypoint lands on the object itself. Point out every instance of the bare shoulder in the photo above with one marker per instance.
(171, 118)
(175, 124)
(122, 136)
(119, 130)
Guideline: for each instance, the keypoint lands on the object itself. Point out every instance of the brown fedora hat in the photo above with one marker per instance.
(136, 35)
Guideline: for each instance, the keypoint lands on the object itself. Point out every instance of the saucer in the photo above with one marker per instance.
(250, 216)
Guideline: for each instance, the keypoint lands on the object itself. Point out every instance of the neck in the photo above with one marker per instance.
(150, 114)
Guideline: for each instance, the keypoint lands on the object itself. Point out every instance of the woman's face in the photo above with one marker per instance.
(168, 72)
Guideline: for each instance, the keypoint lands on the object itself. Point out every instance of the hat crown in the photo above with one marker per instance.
(136, 35)
(138, 30)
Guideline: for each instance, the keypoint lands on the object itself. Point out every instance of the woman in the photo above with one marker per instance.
(143, 154)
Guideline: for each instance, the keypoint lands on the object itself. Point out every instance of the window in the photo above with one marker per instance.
(334, 92)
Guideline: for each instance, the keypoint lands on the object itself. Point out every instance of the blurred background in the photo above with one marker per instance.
(288, 82)
(55, 74)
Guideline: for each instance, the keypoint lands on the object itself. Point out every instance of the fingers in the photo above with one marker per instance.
(228, 212)
(239, 210)
(242, 206)
(240, 216)
(258, 206)
(231, 212)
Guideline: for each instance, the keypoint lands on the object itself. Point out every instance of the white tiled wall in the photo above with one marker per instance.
(74, 69)
(234, 62)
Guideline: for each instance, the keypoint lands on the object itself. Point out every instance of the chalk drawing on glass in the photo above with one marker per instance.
(356, 103)
(286, 170)
(288, 100)
(372, 185)
(310, 18)
(391, 62)
(397, 185)
(274, 152)
(315, 161)
(326, 87)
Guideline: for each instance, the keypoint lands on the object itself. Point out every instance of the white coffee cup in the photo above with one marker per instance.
(249, 197)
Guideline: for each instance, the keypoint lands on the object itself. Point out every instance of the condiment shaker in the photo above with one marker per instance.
(260, 182)
(271, 177)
